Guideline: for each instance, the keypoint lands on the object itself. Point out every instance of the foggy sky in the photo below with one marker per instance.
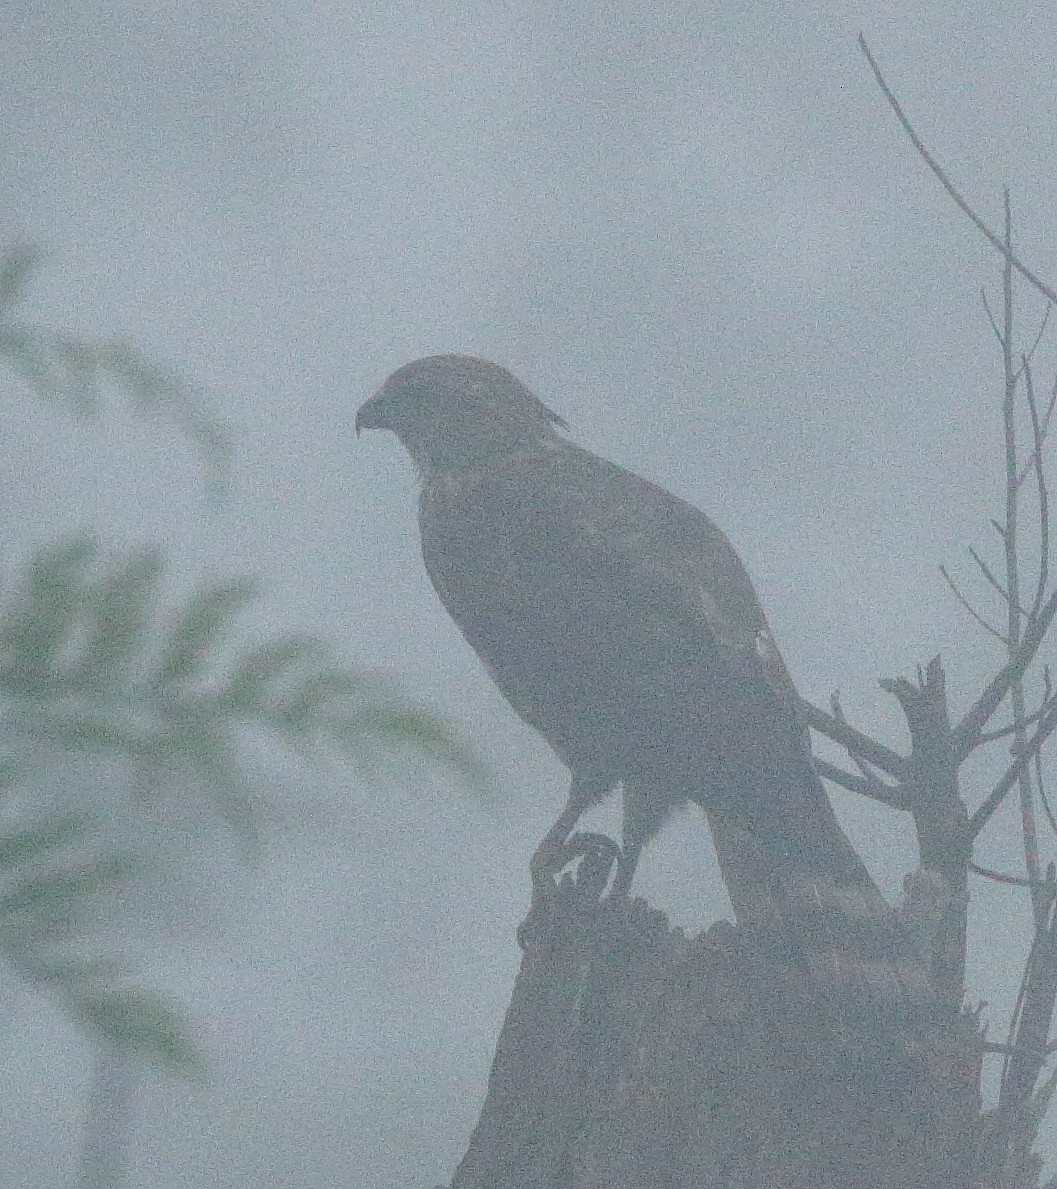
(696, 232)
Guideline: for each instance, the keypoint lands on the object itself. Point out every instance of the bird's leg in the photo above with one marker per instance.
(597, 854)
(556, 849)
(626, 864)
(644, 812)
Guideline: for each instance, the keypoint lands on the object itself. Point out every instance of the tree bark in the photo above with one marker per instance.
(632, 1056)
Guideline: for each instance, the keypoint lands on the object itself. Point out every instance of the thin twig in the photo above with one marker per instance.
(1030, 354)
(1029, 833)
(970, 608)
(965, 208)
(1046, 704)
(1040, 486)
(1043, 430)
(1011, 775)
(965, 736)
(1043, 796)
(1049, 407)
(993, 1046)
(987, 573)
(1014, 1020)
(1018, 881)
(990, 316)
(866, 786)
(882, 790)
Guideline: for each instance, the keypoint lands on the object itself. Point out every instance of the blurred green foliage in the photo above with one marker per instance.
(95, 660)
(77, 373)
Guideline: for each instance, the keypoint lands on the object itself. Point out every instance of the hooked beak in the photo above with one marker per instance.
(374, 413)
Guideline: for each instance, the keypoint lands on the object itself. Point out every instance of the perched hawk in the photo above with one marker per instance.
(619, 622)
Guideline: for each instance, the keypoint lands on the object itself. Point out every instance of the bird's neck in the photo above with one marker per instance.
(472, 453)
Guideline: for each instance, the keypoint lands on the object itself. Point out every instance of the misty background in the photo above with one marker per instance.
(695, 231)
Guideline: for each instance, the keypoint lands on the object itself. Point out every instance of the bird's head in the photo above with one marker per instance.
(451, 410)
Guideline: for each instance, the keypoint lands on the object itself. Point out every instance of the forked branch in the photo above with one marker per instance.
(853, 741)
(945, 182)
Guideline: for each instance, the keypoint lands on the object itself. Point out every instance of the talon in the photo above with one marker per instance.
(599, 855)
(626, 864)
(597, 850)
(547, 860)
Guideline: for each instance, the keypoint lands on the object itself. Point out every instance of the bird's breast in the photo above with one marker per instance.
(599, 666)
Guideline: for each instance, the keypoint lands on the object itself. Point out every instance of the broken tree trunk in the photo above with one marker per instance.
(633, 1056)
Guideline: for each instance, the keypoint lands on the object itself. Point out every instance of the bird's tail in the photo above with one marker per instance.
(812, 901)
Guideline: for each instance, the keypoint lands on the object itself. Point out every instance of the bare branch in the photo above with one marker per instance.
(853, 741)
(1029, 831)
(993, 1046)
(1012, 774)
(1014, 1021)
(991, 317)
(1038, 337)
(1047, 703)
(1040, 485)
(1035, 1004)
(1043, 429)
(970, 608)
(1012, 1049)
(878, 788)
(1049, 407)
(965, 735)
(987, 573)
(866, 785)
(1018, 881)
(1043, 796)
(966, 209)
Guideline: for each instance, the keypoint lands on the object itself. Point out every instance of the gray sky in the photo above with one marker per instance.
(696, 231)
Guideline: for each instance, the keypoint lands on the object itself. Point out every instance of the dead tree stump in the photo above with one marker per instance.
(632, 1056)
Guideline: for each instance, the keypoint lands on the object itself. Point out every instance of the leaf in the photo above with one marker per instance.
(419, 730)
(55, 368)
(300, 709)
(204, 749)
(138, 1021)
(267, 665)
(25, 352)
(207, 615)
(159, 391)
(37, 842)
(52, 901)
(77, 363)
(34, 632)
(76, 971)
(121, 607)
(63, 367)
(10, 773)
(99, 732)
(216, 762)
(19, 264)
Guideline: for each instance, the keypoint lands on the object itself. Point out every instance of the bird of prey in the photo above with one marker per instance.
(619, 622)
